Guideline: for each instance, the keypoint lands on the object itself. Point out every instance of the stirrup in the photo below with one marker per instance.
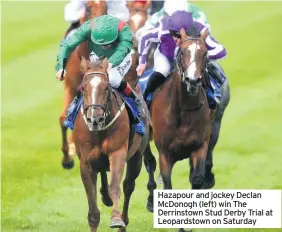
(141, 112)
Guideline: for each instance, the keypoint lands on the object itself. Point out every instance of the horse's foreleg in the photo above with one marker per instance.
(150, 164)
(197, 164)
(117, 163)
(209, 176)
(132, 172)
(68, 99)
(104, 189)
(67, 161)
(166, 169)
(89, 179)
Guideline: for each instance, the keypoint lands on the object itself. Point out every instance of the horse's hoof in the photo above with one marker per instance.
(150, 206)
(107, 201)
(68, 165)
(72, 149)
(209, 181)
(208, 185)
(160, 179)
(197, 181)
(185, 230)
(122, 230)
(117, 223)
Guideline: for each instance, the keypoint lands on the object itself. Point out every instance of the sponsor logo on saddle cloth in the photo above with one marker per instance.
(125, 65)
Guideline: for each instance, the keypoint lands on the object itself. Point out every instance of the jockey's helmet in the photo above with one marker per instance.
(171, 6)
(178, 20)
(105, 30)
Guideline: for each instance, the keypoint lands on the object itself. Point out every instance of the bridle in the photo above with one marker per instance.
(101, 120)
(184, 73)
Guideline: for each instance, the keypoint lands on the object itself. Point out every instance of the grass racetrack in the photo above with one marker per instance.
(38, 195)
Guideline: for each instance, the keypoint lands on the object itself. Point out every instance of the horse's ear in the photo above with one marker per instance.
(83, 65)
(129, 4)
(105, 64)
(205, 34)
(183, 34)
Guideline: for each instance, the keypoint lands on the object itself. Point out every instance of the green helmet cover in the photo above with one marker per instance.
(105, 30)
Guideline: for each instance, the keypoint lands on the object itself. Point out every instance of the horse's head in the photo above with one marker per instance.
(96, 93)
(94, 8)
(137, 18)
(191, 59)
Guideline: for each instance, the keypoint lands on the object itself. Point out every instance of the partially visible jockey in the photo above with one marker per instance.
(75, 10)
(164, 57)
(108, 37)
(170, 6)
(216, 51)
(118, 9)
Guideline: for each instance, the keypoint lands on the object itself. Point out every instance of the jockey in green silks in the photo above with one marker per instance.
(108, 37)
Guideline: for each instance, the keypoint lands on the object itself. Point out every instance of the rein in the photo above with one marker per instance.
(104, 107)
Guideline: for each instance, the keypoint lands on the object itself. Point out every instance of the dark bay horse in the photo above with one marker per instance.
(73, 80)
(181, 118)
(101, 135)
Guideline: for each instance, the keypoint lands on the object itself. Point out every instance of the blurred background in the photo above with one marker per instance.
(39, 195)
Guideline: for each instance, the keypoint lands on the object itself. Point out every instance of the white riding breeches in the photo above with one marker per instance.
(162, 64)
(116, 74)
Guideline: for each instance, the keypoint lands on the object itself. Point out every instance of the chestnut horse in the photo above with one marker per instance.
(101, 135)
(73, 79)
(137, 18)
(181, 118)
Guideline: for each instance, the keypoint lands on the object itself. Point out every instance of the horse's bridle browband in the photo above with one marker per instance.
(136, 10)
(104, 107)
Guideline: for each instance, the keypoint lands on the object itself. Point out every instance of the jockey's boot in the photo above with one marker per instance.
(156, 80)
(213, 92)
(213, 99)
(215, 70)
(74, 102)
(125, 88)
